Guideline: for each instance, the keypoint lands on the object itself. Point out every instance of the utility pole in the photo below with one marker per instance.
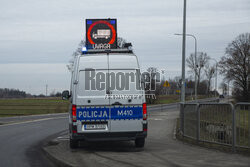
(228, 91)
(216, 68)
(46, 90)
(183, 54)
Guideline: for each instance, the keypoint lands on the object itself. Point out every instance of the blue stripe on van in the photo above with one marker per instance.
(103, 113)
(126, 112)
(92, 113)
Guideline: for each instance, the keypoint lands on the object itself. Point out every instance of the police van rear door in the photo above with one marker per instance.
(92, 107)
(125, 93)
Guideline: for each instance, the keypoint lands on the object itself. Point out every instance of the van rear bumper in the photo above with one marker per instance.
(109, 136)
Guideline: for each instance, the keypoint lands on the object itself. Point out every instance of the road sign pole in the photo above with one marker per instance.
(183, 54)
(195, 89)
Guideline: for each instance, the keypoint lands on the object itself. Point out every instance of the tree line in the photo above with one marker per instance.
(16, 93)
(10, 93)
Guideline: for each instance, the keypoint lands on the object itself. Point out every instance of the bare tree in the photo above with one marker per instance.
(120, 42)
(202, 60)
(77, 52)
(234, 65)
(152, 85)
(210, 73)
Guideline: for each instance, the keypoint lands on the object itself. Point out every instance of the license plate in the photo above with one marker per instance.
(95, 127)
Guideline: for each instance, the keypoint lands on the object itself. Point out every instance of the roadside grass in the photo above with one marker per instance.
(32, 106)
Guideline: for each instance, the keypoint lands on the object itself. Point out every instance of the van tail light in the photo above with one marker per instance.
(144, 111)
(74, 113)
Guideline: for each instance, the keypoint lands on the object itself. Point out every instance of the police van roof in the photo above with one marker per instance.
(96, 51)
(115, 61)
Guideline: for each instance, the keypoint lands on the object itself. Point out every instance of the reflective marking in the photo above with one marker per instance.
(37, 120)
(126, 112)
(107, 113)
(155, 119)
(93, 113)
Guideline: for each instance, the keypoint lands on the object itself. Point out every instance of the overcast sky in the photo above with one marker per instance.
(37, 38)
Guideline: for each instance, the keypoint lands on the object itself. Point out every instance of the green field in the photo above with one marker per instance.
(166, 99)
(19, 107)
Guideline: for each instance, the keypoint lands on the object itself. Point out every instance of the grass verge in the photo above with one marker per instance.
(166, 99)
(20, 107)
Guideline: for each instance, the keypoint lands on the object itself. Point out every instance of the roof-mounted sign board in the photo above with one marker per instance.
(101, 34)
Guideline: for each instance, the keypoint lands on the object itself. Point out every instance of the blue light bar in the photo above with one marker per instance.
(84, 49)
(112, 21)
(89, 21)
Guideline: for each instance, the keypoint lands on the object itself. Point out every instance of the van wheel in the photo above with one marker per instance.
(140, 142)
(73, 143)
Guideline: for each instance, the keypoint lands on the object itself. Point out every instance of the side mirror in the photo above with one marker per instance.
(65, 95)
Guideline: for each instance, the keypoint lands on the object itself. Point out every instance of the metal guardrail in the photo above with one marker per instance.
(242, 127)
(220, 123)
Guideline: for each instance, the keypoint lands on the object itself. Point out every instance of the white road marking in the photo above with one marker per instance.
(37, 120)
(63, 138)
(23, 116)
(155, 119)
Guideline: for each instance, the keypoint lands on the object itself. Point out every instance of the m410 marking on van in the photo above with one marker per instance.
(126, 112)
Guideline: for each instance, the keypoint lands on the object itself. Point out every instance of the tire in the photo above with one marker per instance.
(140, 142)
(73, 143)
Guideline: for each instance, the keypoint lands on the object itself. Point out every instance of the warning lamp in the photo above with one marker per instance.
(74, 113)
(144, 110)
(84, 49)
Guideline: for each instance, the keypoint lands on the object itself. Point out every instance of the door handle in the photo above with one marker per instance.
(108, 92)
(116, 103)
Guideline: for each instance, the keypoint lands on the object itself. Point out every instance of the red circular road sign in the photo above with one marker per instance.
(102, 22)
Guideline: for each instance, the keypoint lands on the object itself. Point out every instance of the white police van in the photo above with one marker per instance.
(107, 98)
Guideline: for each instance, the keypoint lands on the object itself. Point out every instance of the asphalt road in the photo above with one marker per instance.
(20, 142)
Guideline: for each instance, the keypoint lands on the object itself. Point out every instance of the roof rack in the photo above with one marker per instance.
(96, 51)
